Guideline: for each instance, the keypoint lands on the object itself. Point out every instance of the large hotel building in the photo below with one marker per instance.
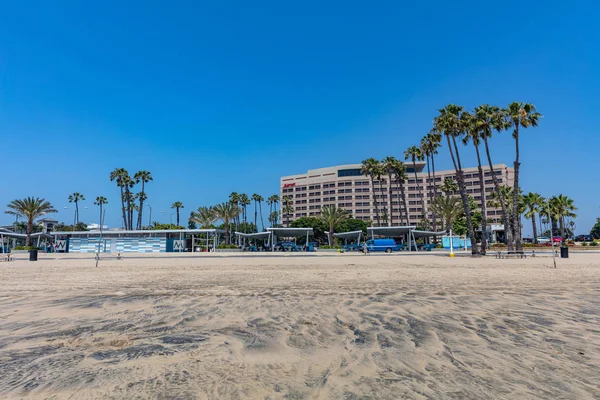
(345, 187)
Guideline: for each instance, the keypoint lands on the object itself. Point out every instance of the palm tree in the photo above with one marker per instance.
(30, 209)
(520, 115)
(562, 207)
(287, 209)
(491, 118)
(117, 175)
(130, 198)
(448, 122)
(448, 208)
(205, 217)
(273, 218)
(244, 202)
(389, 166)
(449, 186)
(379, 172)
(227, 211)
(332, 216)
(143, 177)
(177, 205)
(401, 177)
(258, 199)
(234, 197)
(533, 202)
(429, 145)
(369, 168)
(415, 154)
(76, 198)
(272, 202)
(472, 134)
(100, 201)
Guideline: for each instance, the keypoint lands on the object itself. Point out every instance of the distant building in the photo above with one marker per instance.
(346, 187)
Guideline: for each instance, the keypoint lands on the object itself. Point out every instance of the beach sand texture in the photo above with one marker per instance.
(336, 327)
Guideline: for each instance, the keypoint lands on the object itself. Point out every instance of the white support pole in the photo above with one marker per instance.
(192, 242)
(451, 244)
(409, 243)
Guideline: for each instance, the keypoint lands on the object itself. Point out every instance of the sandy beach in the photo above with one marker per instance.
(288, 327)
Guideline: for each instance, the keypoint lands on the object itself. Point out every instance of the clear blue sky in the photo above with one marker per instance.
(228, 96)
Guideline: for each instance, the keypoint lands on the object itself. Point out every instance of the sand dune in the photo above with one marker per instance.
(336, 327)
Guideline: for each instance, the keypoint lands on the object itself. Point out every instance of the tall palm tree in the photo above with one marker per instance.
(143, 177)
(429, 145)
(101, 201)
(227, 211)
(244, 202)
(522, 115)
(30, 209)
(507, 192)
(369, 168)
(379, 172)
(332, 216)
(234, 197)
(472, 134)
(448, 122)
(272, 201)
(400, 178)
(76, 198)
(117, 175)
(533, 202)
(415, 154)
(449, 186)
(205, 217)
(287, 209)
(389, 166)
(258, 199)
(490, 118)
(562, 207)
(177, 205)
(448, 208)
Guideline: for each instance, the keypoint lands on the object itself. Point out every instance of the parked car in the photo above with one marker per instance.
(543, 239)
(557, 239)
(584, 238)
(387, 245)
(285, 246)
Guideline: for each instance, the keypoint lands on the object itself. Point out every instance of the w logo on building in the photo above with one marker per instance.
(61, 245)
(178, 245)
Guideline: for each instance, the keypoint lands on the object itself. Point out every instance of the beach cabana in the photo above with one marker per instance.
(349, 235)
(6, 233)
(393, 231)
(288, 232)
(243, 237)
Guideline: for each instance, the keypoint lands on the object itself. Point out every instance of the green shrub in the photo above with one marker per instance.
(326, 246)
(227, 246)
(584, 244)
(25, 248)
(594, 244)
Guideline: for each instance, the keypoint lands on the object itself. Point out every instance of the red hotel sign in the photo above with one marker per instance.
(289, 185)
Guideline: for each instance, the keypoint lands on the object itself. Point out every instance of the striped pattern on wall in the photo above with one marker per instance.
(123, 245)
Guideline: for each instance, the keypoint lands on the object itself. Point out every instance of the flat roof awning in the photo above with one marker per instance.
(392, 231)
(9, 234)
(138, 232)
(291, 232)
(347, 235)
(259, 235)
(420, 234)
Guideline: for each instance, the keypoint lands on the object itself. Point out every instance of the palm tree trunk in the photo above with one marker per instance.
(123, 207)
(420, 191)
(483, 205)
(434, 195)
(177, 216)
(403, 192)
(29, 232)
(384, 209)
(140, 211)
(76, 212)
(262, 222)
(535, 239)
(505, 221)
(375, 201)
(255, 215)
(516, 216)
(390, 205)
(428, 187)
(463, 196)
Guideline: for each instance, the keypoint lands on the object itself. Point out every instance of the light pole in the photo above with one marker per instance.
(150, 215)
(170, 219)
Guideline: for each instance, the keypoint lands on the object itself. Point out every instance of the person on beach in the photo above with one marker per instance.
(365, 249)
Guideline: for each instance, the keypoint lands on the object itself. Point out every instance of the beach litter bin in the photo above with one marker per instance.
(33, 255)
(564, 252)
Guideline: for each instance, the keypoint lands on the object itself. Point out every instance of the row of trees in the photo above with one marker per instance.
(471, 128)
